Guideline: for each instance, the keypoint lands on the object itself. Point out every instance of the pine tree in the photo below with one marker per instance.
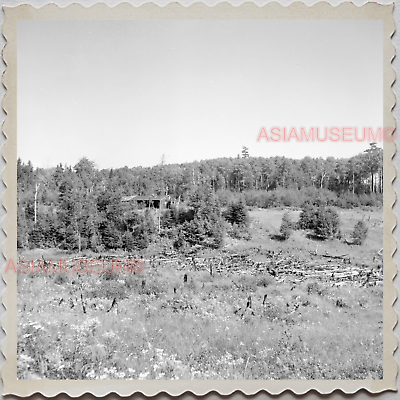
(237, 214)
(359, 234)
(286, 226)
(206, 228)
(327, 224)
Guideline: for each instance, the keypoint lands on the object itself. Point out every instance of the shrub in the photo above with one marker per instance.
(323, 221)
(110, 235)
(348, 200)
(185, 215)
(286, 226)
(341, 303)
(261, 198)
(201, 232)
(206, 228)
(291, 197)
(141, 238)
(170, 217)
(359, 233)
(308, 217)
(327, 223)
(371, 199)
(179, 242)
(237, 214)
(148, 223)
(128, 241)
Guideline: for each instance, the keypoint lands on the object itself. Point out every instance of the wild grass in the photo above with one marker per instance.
(163, 328)
(195, 334)
(265, 225)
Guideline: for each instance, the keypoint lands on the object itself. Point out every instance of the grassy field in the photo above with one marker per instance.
(267, 223)
(164, 328)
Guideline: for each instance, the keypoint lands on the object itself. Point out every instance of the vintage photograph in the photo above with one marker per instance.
(200, 199)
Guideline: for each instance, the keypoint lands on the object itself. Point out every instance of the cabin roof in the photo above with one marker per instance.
(151, 197)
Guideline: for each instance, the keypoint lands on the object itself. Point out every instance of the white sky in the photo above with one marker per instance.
(127, 92)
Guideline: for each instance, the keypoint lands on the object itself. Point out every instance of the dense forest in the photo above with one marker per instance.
(80, 207)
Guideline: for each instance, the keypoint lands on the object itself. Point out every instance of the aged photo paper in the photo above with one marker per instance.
(199, 199)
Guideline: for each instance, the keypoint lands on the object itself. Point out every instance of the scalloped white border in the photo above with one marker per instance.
(274, 10)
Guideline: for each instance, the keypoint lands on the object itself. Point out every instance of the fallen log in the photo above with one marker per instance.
(342, 257)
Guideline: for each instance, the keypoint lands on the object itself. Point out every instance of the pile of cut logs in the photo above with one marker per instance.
(334, 270)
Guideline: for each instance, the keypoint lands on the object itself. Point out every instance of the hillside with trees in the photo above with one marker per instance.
(79, 207)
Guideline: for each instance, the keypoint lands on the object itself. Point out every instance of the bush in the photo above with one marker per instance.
(323, 221)
(286, 226)
(327, 223)
(206, 228)
(170, 218)
(359, 233)
(128, 241)
(237, 214)
(179, 240)
(201, 232)
(308, 217)
(348, 200)
(110, 235)
(141, 238)
(341, 303)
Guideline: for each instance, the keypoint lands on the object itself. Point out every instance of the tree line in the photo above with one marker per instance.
(80, 207)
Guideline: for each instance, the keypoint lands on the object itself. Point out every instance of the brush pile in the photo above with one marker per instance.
(336, 270)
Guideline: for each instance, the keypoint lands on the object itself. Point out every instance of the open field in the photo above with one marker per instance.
(267, 222)
(160, 325)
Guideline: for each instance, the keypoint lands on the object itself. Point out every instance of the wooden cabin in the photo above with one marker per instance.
(149, 201)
